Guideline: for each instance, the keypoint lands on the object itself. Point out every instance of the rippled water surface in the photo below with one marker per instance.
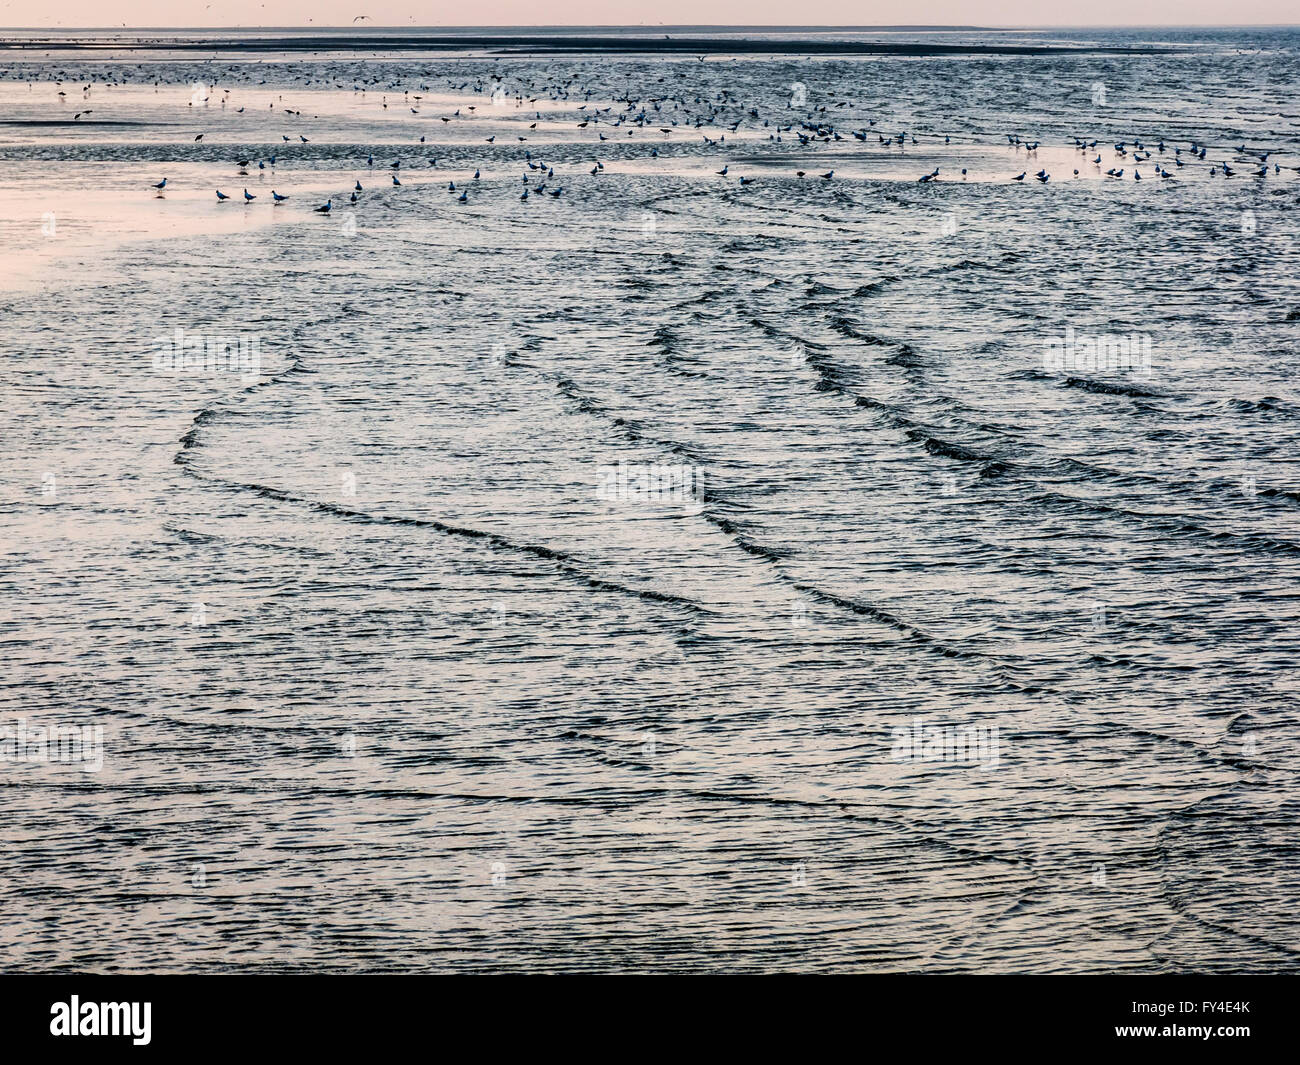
(387, 680)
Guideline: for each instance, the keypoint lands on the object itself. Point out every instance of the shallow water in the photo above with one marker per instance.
(385, 683)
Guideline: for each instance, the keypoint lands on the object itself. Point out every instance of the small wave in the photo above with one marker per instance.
(873, 287)
(667, 342)
(992, 467)
(842, 325)
(906, 356)
(1266, 405)
(1109, 388)
(884, 617)
(563, 561)
(943, 447)
(1168, 523)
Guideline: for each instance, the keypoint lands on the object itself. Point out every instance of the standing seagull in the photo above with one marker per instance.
(325, 207)
(221, 196)
(248, 196)
(161, 185)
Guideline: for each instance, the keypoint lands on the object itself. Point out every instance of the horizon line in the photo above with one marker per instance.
(662, 27)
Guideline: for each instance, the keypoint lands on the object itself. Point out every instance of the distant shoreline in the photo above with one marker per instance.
(550, 44)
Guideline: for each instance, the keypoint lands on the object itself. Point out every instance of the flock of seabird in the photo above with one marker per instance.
(667, 113)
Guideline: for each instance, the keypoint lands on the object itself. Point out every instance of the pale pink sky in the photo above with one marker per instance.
(133, 13)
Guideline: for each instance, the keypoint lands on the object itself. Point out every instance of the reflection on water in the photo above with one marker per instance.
(669, 574)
